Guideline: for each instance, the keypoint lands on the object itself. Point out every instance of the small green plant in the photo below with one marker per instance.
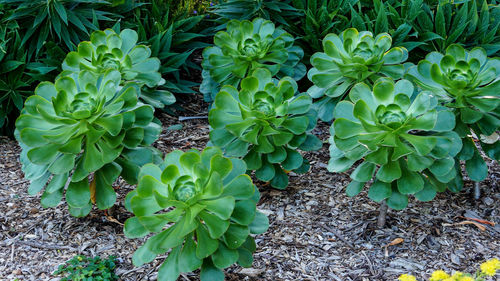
(244, 47)
(82, 268)
(86, 128)
(486, 270)
(468, 82)
(404, 139)
(348, 59)
(210, 206)
(265, 123)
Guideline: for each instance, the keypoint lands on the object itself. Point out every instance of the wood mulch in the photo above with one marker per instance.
(316, 232)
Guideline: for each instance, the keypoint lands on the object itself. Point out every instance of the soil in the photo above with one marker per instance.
(316, 232)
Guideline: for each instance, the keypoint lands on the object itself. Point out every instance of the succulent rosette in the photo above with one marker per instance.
(110, 50)
(244, 47)
(79, 128)
(469, 83)
(202, 206)
(404, 139)
(265, 123)
(350, 58)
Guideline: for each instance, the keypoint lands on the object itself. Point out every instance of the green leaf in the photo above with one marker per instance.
(427, 193)
(260, 224)
(354, 188)
(236, 235)
(389, 172)
(311, 143)
(277, 156)
(240, 188)
(280, 180)
(476, 167)
(169, 270)
(188, 261)
(206, 245)
(410, 182)
(221, 207)
(216, 226)
(379, 191)
(443, 166)
(224, 257)
(293, 160)
(266, 172)
(244, 212)
(134, 229)
(78, 193)
(143, 255)
(397, 201)
(363, 172)
(210, 273)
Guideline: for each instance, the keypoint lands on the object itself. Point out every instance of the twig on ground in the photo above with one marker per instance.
(12, 253)
(183, 118)
(338, 235)
(39, 245)
(370, 265)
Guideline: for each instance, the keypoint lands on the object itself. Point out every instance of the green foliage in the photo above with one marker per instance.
(109, 50)
(320, 18)
(84, 126)
(82, 268)
(14, 82)
(245, 47)
(280, 12)
(469, 83)
(404, 139)
(67, 21)
(350, 58)
(189, 6)
(210, 206)
(17, 75)
(172, 39)
(265, 123)
(472, 23)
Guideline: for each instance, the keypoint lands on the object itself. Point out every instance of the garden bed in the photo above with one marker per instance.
(316, 232)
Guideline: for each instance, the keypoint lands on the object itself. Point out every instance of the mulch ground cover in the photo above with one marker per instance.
(316, 232)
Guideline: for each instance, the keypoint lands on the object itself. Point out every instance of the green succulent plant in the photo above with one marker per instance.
(81, 127)
(210, 206)
(469, 83)
(110, 50)
(348, 59)
(265, 123)
(244, 47)
(404, 139)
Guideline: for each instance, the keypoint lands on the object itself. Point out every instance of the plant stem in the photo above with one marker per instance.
(477, 190)
(382, 215)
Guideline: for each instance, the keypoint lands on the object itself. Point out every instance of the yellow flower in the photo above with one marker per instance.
(490, 267)
(466, 278)
(457, 275)
(407, 277)
(439, 275)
